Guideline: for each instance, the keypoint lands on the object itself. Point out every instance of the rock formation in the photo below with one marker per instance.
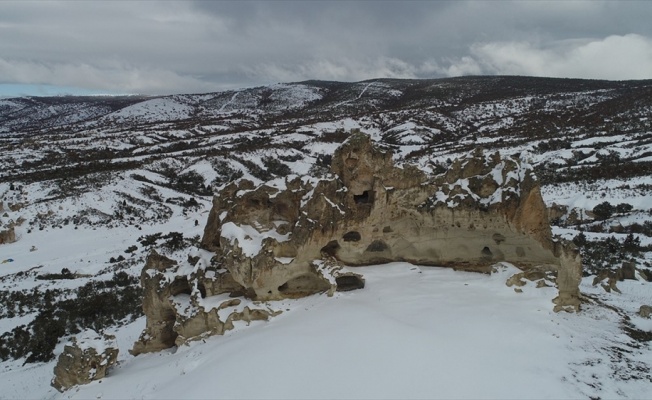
(86, 359)
(8, 234)
(186, 301)
(289, 237)
(645, 311)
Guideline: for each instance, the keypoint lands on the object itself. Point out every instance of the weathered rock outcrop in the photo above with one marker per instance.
(189, 300)
(8, 234)
(645, 311)
(86, 359)
(292, 236)
(484, 209)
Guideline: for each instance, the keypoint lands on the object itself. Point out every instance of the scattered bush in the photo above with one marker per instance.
(65, 274)
(624, 208)
(603, 211)
(276, 167)
(190, 182)
(606, 253)
(96, 305)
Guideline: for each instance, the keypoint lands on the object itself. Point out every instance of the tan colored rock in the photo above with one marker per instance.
(16, 206)
(535, 275)
(8, 235)
(608, 280)
(557, 211)
(484, 209)
(158, 287)
(293, 237)
(627, 271)
(645, 311)
(184, 302)
(85, 359)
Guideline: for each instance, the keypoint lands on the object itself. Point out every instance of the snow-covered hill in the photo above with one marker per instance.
(91, 184)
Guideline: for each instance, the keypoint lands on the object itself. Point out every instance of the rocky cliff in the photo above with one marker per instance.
(290, 237)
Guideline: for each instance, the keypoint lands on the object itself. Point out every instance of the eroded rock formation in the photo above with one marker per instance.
(7, 235)
(189, 300)
(85, 359)
(484, 209)
(291, 236)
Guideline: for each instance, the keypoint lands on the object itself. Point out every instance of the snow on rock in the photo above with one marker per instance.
(85, 359)
(248, 238)
(369, 211)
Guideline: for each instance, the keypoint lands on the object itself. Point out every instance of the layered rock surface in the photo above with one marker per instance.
(291, 236)
(483, 210)
(85, 359)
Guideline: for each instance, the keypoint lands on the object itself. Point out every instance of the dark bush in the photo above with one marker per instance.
(96, 305)
(65, 274)
(606, 253)
(276, 167)
(603, 211)
(174, 241)
(623, 208)
(190, 182)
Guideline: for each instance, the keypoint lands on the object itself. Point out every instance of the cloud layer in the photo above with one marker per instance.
(182, 47)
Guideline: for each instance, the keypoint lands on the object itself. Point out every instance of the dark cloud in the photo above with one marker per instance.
(193, 46)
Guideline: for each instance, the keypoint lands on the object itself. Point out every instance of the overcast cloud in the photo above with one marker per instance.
(162, 47)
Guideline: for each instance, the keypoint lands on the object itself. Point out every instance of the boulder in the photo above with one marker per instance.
(627, 271)
(85, 359)
(8, 235)
(611, 279)
(557, 212)
(645, 311)
(646, 274)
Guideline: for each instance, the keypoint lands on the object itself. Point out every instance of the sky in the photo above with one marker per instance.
(166, 47)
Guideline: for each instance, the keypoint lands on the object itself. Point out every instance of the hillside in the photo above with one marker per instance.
(88, 185)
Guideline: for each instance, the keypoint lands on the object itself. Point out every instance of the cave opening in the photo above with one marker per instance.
(352, 236)
(331, 248)
(346, 283)
(180, 285)
(365, 198)
(202, 290)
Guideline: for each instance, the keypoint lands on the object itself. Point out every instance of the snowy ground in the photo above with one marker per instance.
(413, 332)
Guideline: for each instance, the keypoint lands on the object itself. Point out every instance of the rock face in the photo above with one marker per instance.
(84, 360)
(7, 235)
(290, 237)
(645, 311)
(483, 210)
(190, 300)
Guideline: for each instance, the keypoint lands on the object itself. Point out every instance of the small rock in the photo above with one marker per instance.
(84, 360)
(628, 271)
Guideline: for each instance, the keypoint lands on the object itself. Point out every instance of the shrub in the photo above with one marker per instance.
(606, 253)
(276, 167)
(96, 305)
(623, 208)
(174, 241)
(65, 274)
(603, 211)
